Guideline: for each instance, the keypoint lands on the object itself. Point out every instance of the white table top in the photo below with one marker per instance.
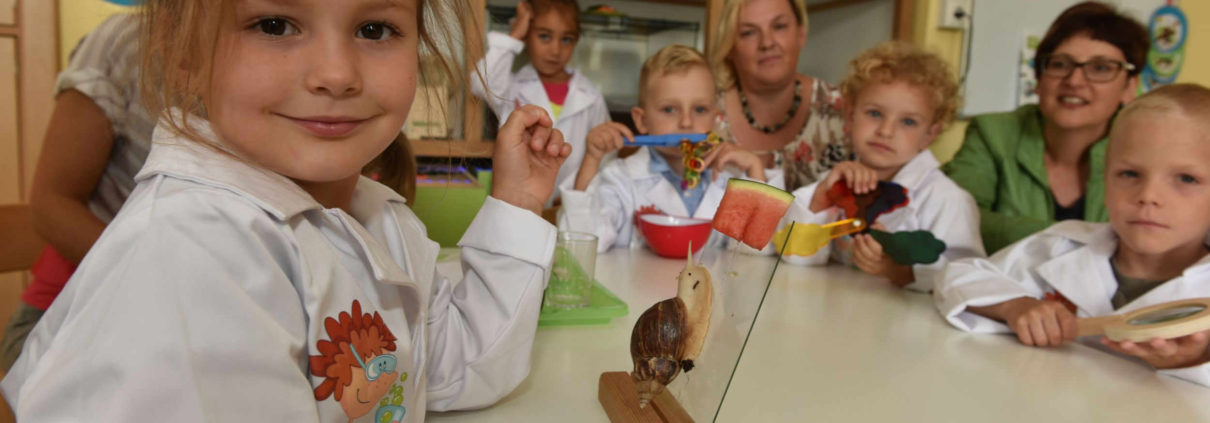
(832, 344)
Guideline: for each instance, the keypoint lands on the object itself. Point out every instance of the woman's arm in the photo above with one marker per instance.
(74, 156)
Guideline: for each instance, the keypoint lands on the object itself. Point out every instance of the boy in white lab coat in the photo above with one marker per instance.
(548, 31)
(899, 98)
(1153, 250)
(676, 96)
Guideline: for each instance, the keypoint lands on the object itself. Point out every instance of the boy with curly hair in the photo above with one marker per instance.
(898, 99)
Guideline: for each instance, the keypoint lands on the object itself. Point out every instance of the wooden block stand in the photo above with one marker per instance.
(620, 399)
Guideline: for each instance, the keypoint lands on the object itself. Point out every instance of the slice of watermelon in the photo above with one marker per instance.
(750, 211)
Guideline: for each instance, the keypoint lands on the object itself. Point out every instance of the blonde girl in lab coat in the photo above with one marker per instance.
(675, 96)
(254, 275)
(1153, 250)
(547, 30)
(900, 97)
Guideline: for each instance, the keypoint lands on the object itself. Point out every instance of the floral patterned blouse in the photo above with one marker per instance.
(821, 143)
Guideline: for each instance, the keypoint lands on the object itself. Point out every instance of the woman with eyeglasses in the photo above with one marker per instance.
(1044, 162)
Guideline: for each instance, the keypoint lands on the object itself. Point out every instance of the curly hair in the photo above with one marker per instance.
(892, 61)
(675, 58)
(335, 362)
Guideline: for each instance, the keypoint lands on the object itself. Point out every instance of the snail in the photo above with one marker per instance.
(669, 335)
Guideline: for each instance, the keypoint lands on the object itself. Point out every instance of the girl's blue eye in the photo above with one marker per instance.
(1187, 178)
(746, 33)
(700, 110)
(275, 26)
(873, 113)
(568, 40)
(669, 109)
(544, 37)
(1128, 174)
(909, 122)
(375, 31)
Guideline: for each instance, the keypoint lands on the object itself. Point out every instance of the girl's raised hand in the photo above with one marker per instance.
(520, 24)
(526, 161)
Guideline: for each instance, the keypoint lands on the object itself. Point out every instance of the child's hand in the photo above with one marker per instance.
(869, 257)
(857, 176)
(528, 154)
(520, 24)
(730, 154)
(1173, 353)
(1038, 322)
(606, 138)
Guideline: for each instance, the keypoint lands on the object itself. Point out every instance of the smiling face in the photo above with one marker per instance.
(551, 40)
(768, 38)
(311, 89)
(361, 396)
(1157, 188)
(890, 123)
(1075, 102)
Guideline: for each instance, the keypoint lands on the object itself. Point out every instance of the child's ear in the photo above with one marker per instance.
(637, 113)
(931, 134)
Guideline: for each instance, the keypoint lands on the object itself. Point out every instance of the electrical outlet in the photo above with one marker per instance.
(955, 14)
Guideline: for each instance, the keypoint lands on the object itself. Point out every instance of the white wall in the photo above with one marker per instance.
(836, 35)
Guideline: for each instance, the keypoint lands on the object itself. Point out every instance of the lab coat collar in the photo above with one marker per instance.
(1084, 276)
(667, 197)
(173, 155)
(580, 92)
(913, 173)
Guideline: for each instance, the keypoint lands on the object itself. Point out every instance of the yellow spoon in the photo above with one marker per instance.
(807, 238)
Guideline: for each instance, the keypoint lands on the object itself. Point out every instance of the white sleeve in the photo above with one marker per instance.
(601, 209)
(495, 69)
(1197, 374)
(481, 331)
(103, 66)
(952, 216)
(978, 282)
(178, 313)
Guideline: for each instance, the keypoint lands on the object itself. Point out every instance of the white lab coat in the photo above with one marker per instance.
(935, 204)
(213, 292)
(1071, 258)
(622, 187)
(583, 109)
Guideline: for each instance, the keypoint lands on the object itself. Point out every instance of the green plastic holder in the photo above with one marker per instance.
(603, 307)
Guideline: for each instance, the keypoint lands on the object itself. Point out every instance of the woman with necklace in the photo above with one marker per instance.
(793, 121)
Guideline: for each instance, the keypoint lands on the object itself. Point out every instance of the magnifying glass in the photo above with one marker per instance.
(807, 238)
(1165, 321)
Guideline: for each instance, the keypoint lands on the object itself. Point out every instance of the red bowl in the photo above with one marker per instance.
(669, 236)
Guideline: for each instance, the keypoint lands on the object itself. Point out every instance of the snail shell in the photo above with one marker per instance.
(657, 346)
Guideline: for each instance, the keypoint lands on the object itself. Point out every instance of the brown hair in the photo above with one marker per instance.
(1190, 100)
(1099, 22)
(396, 168)
(570, 8)
(675, 58)
(179, 40)
(723, 39)
(891, 61)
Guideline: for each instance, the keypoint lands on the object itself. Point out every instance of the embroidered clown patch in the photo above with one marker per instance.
(357, 368)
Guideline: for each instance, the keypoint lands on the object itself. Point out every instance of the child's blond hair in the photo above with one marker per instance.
(1190, 100)
(673, 59)
(892, 61)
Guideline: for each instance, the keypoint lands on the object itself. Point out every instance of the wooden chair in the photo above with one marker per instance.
(18, 250)
(21, 245)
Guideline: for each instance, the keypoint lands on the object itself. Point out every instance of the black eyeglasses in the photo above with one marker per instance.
(1099, 69)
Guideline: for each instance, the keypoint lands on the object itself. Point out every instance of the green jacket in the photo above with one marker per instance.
(1001, 165)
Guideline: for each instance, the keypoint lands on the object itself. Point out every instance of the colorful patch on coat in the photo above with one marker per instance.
(356, 366)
